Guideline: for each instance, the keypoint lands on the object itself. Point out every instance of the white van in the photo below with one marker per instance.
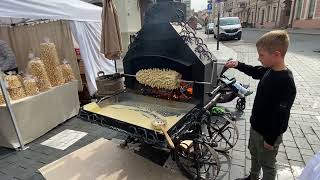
(230, 28)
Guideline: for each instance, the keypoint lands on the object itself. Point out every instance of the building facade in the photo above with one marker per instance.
(275, 13)
(188, 5)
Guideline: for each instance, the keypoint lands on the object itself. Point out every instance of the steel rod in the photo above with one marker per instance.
(180, 80)
(9, 106)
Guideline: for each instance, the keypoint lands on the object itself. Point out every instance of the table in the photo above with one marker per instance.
(36, 115)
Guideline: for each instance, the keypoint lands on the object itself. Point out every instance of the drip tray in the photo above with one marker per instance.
(140, 110)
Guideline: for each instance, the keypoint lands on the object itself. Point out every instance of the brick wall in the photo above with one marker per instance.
(307, 24)
(317, 15)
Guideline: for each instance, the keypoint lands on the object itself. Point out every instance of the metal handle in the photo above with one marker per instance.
(215, 91)
(197, 82)
(100, 73)
(212, 102)
(168, 138)
(130, 75)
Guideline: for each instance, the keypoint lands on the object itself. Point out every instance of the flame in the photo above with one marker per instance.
(183, 93)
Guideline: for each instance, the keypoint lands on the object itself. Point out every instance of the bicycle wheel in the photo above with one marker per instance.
(197, 160)
(223, 131)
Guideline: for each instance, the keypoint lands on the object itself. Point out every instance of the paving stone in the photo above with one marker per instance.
(302, 143)
(296, 167)
(282, 158)
(238, 162)
(281, 148)
(241, 144)
(293, 124)
(289, 144)
(315, 148)
(240, 155)
(317, 133)
(4, 163)
(14, 158)
(223, 175)
(308, 152)
(284, 173)
(307, 129)
(247, 167)
(316, 128)
(36, 176)
(248, 155)
(288, 137)
(4, 152)
(225, 161)
(293, 154)
(31, 164)
(306, 158)
(296, 132)
(17, 172)
(313, 139)
(237, 171)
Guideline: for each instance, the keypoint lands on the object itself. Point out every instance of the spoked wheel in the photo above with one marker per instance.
(241, 104)
(223, 131)
(197, 160)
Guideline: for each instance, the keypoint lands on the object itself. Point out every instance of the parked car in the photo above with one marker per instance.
(230, 28)
(209, 28)
(199, 26)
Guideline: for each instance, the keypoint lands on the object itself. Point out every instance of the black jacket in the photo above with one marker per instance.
(274, 98)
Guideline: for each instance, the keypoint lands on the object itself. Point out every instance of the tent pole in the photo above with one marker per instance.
(8, 103)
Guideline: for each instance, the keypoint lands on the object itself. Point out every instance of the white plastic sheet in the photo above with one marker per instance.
(87, 34)
(312, 169)
(50, 9)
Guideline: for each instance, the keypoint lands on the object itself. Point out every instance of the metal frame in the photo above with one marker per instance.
(9, 106)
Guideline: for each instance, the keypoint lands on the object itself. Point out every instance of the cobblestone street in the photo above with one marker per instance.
(302, 139)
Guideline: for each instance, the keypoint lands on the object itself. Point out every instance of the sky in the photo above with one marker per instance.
(198, 5)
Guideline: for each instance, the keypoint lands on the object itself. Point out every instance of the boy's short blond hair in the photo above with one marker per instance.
(272, 41)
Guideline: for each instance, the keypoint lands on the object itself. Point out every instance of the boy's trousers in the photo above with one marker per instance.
(262, 157)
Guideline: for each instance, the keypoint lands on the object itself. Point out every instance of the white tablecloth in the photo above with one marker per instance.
(36, 115)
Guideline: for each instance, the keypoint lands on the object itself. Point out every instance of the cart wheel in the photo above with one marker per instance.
(223, 131)
(241, 104)
(197, 160)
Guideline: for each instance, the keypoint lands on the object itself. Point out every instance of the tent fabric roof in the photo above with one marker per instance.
(49, 9)
(85, 21)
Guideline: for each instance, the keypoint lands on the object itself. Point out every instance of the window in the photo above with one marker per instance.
(299, 8)
(251, 17)
(262, 17)
(312, 4)
(257, 20)
(274, 14)
(268, 14)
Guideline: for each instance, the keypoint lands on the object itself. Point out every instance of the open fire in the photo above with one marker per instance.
(183, 93)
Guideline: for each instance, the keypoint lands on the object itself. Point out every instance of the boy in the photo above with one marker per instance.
(274, 97)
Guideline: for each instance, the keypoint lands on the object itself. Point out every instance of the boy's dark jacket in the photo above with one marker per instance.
(274, 98)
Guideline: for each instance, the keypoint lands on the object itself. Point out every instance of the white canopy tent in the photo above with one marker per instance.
(85, 24)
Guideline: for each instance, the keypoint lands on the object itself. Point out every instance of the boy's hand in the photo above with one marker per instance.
(232, 63)
(267, 146)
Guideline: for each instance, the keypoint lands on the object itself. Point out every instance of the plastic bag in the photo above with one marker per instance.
(17, 93)
(30, 86)
(67, 71)
(49, 56)
(1, 98)
(37, 69)
(13, 81)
